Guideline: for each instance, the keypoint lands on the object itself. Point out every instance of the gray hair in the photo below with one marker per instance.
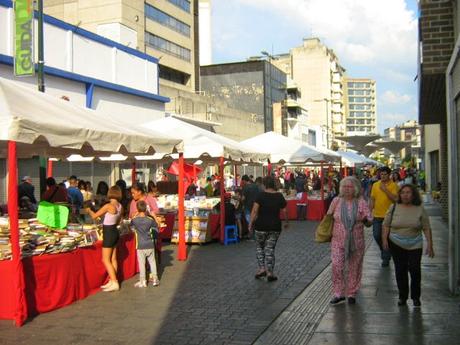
(356, 185)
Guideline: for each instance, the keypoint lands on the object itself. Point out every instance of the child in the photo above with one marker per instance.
(145, 246)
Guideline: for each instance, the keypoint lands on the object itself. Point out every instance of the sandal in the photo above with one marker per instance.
(260, 274)
(271, 278)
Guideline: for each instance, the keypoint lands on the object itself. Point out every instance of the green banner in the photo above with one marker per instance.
(24, 38)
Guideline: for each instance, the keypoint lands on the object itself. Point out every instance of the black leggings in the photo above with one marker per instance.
(407, 262)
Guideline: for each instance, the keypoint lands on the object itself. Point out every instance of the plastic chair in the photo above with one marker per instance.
(230, 234)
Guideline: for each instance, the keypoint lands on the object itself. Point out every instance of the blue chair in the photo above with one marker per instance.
(231, 234)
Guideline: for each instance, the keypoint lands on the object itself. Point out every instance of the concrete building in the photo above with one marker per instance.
(251, 86)
(438, 76)
(90, 71)
(431, 145)
(165, 29)
(360, 106)
(316, 70)
(205, 15)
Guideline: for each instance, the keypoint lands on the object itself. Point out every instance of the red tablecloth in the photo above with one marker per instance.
(314, 210)
(214, 225)
(54, 281)
(166, 232)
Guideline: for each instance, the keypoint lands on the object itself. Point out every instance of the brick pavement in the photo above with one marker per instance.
(212, 298)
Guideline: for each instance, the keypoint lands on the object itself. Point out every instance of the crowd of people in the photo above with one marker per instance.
(389, 200)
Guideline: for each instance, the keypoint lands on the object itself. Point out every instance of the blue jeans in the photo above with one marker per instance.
(377, 232)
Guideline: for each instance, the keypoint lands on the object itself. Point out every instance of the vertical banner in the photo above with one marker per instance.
(23, 38)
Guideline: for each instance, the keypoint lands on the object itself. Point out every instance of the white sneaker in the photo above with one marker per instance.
(155, 282)
(141, 284)
(114, 286)
(106, 285)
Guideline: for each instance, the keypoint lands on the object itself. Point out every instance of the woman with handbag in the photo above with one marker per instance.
(402, 235)
(351, 212)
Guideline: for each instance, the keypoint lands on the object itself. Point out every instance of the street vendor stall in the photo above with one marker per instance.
(34, 123)
(207, 147)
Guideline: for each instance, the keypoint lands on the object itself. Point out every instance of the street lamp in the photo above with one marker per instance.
(327, 100)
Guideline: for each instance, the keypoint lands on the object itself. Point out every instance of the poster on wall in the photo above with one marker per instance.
(23, 38)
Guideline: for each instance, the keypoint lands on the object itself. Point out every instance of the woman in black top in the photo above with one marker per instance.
(265, 220)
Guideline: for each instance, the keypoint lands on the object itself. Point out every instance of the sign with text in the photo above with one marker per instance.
(24, 38)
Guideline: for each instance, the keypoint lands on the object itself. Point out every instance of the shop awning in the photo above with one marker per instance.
(287, 150)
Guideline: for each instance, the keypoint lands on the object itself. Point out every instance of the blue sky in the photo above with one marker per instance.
(372, 39)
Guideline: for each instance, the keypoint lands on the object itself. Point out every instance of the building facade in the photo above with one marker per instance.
(438, 77)
(251, 86)
(360, 106)
(119, 80)
(316, 70)
(165, 29)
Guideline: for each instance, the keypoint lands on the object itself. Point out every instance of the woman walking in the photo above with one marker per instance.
(265, 220)
(402, 235)
(112, 212)
(350, 212)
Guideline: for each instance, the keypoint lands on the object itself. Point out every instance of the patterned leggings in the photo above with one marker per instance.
(265, 249)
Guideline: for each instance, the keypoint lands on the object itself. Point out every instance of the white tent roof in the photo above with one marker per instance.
(46, 125)
(352, 159)
(202, 144)
(287, 150)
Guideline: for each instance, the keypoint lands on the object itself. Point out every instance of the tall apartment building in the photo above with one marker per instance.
(165, 29)
(360, 106)
(316, 70)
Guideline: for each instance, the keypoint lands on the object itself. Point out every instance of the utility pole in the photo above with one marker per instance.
(41, 58)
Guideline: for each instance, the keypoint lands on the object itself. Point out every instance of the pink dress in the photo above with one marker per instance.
(352, 284)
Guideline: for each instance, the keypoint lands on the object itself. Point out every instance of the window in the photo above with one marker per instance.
(168, 47)
(166, 20)
(350, 121)
(182, 4)
(173, 75)
(351, 85)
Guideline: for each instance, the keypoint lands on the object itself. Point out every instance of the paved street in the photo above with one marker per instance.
(375, 319)
(212, 298)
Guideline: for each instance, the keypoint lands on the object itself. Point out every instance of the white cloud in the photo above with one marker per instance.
(360, 31)
(393, 97)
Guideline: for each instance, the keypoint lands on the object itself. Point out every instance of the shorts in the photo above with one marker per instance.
(110, 236)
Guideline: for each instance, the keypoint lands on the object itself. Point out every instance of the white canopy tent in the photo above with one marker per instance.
(286, 150)
(49, 126)
(352, 159)
(36, 123)
(202, 144)
(359, 141)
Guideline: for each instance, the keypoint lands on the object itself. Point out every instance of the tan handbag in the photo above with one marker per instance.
(324, 230)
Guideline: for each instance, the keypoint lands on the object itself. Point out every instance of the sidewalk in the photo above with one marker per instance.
(376, 318)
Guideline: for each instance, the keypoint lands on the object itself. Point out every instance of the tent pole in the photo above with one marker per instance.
(182, 252)
(133, 173)
(49, 170)
(20, 314)
(235, 173)
(322, 188)
(329, 177)
(222, 200)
